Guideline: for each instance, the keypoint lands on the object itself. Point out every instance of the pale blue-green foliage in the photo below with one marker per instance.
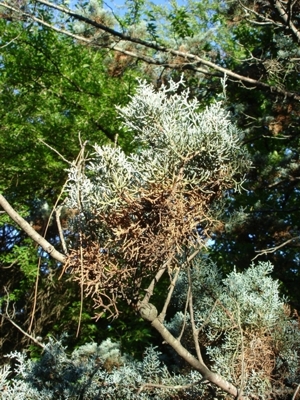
(83, 375)
(256, 294)
(286, 46)
(93, 10)
(174, 139)
(171, 125)
(236, 313)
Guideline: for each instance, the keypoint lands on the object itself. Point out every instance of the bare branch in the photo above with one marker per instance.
(191, 310)
(55, 151)
(11, 41)
(60, 231)
(286, 17)
(154, 281)
(162, 315)
(150, 45)
(23, 224)
(185, 314)
(187, 356)
(273, 249)
(296, 392)
(35, 294)
(81, 286)
(22, 331)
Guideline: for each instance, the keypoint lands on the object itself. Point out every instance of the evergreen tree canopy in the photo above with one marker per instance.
(194, 174)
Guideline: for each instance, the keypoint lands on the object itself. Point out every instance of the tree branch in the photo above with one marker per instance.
(273, 249)
(188, 357)
(174, 387)
(26, 227)
(287, 18)
(149, 45)
(163, 313)
(191, 310)
(149, 312)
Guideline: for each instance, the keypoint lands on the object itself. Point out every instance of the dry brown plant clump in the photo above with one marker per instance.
(140, 236)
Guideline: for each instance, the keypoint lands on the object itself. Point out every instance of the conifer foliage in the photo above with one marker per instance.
(141, 222)
(138, 212)
(143, 219)
(240, 321)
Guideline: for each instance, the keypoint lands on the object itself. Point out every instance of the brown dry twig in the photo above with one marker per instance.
(273, 249)
(139, 237)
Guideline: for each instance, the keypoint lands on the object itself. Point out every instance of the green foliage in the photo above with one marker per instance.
(58, 92)
(134, 11)
(27, 258)
(152, 25)
(180, 23)
(54, 90)
(54, 87)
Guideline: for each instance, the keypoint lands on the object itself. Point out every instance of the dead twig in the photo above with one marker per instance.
(273, 249)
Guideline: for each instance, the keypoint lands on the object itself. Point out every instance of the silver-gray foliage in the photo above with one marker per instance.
(90, 372)
(174, 136)
(244, 326)
(250, 337)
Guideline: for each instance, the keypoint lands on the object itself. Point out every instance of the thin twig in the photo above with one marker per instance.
(10, 265)
(11, 41)
(60, 231)
(81, 287)
(55, 151)
(296, 392)
(191, 309)
(8, 318)
(242, 355)
(187, 297)
(163, 313)
(207, 319)
(184, 314)
(35, 293)
(159, 274)
(273, 249)
(22, 331)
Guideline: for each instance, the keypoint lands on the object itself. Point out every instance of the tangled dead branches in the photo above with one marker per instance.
(139, 237)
